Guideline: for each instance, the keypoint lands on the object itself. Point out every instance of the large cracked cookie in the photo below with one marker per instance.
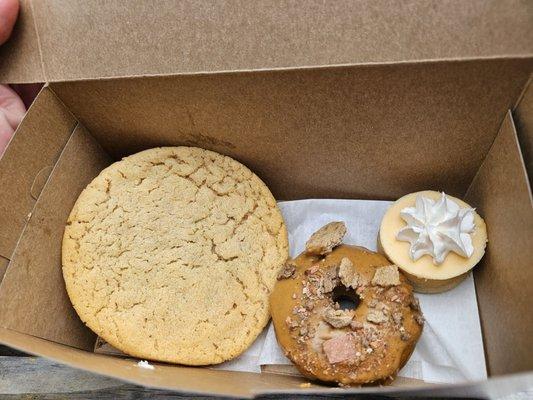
(171, 254)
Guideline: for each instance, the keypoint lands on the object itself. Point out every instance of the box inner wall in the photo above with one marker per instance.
(367, 132)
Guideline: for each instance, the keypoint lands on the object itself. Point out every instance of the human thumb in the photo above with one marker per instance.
(9, 10)
(12, 111)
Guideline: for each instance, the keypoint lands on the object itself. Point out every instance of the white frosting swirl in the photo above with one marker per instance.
(436, 228)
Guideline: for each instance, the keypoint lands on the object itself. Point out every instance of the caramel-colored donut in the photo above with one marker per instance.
(351, 347)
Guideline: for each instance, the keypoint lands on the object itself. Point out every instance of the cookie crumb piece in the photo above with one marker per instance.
(376, 316)
(349, 277)
(404, 335)
(397, 317)
(313, 270)
(291, 324)
(326, 238)
(305, 385)
(340, 348)
(330, 280)
(338, 318)
(355, 325)
(419, 318)
(303, 331)
(287, 271)
(386, 276)
(145, 365)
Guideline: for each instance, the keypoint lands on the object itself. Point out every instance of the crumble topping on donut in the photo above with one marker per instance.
(313, 270)
(386, 276)
(355, 325)
(376, 316)
(341, 348)
(349, 346)
(384, 308)
(419, 318)
(330, 280)
(287, 271)
(338, 318)
(326, 238)
(403, 334)
(348, 275)
(397, 317)
(320, 281)
(309, 305)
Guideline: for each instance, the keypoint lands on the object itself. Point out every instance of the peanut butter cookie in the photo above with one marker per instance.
(171, 254)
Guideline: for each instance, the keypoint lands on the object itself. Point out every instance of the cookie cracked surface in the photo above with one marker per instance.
(171, 254)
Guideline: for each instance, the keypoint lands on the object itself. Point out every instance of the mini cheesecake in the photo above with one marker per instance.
(435, 239)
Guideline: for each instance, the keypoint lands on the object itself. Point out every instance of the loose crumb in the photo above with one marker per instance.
(146, 365)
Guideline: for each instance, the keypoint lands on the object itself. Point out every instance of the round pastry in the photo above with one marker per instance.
(435, 239)
(366, 344)
(171, 254)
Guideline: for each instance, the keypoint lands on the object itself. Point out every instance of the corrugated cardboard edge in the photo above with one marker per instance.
(499, 185)
(235, 36)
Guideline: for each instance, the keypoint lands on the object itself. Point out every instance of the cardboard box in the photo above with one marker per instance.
(365, 100)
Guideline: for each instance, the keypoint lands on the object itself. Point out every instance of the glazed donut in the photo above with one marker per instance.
(351, 347)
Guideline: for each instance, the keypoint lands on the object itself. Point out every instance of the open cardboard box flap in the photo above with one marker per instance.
(63, 40)
(375, 129)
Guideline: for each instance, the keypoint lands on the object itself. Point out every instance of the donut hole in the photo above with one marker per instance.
(346, 298)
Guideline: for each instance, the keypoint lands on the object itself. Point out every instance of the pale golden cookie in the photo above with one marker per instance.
(171, 254)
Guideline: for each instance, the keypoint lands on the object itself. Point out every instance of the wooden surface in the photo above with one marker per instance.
(27, 377)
